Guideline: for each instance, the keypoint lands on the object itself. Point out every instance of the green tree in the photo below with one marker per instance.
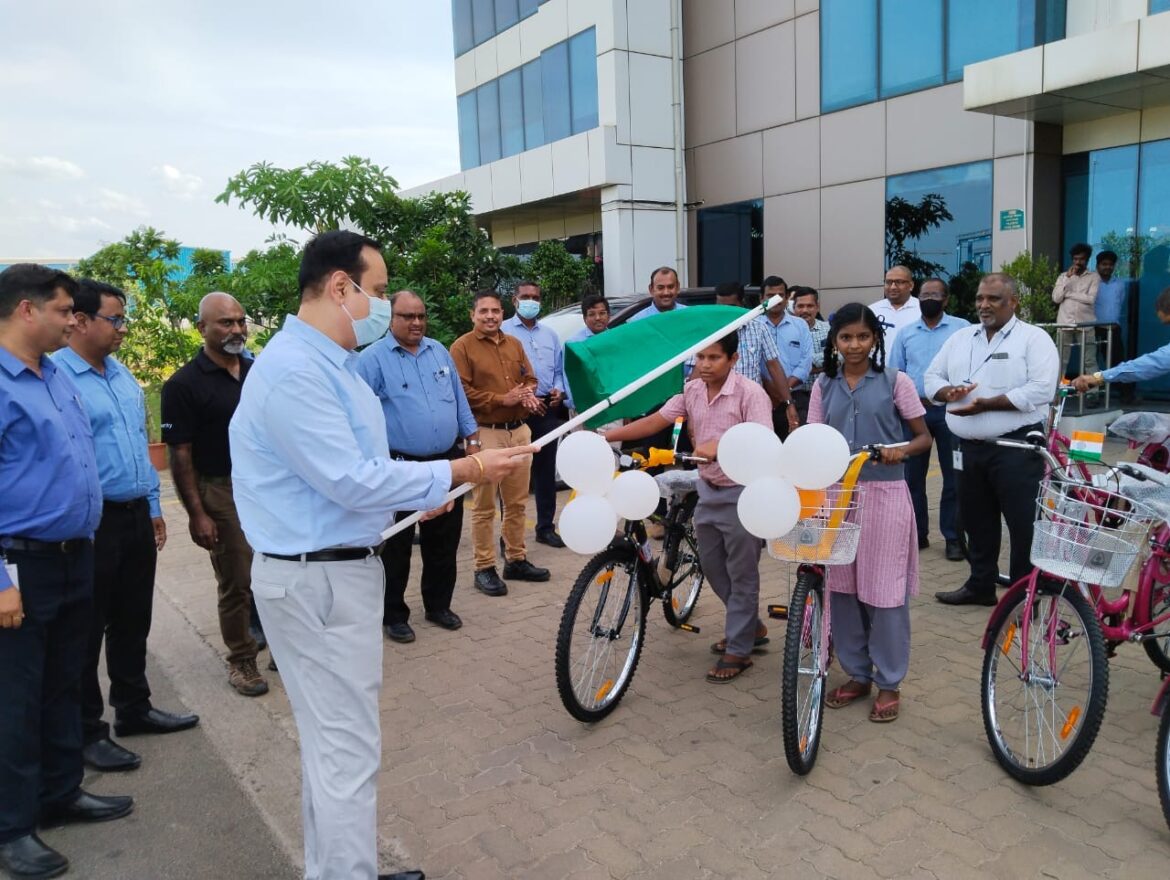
(1035, 277)
(561, 275)
(962, 286)
(906, 222)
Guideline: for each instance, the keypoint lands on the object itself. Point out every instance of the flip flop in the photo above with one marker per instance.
(723, 665)
(720, 647)
(884, 713)
(841, 696)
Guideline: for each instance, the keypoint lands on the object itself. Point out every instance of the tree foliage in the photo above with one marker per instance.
(1035, 277)
(562, 276)
(906, 222)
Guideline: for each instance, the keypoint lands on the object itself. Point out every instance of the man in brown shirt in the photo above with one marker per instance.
(501, 387)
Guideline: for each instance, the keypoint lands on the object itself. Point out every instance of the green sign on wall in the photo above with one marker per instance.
(1011, 219)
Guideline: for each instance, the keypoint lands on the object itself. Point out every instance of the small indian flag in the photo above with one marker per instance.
(1086, 446)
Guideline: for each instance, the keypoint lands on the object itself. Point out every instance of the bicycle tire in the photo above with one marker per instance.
(1054, 733)
(804, 674)
(1162, 762)
(606, 605)
(1158, 650)
(678, 603)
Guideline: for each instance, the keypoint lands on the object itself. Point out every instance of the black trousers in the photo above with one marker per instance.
(438, 541)
(544, 468)
(917, 467)
(125, 558)
(995, 482)
(40, 687)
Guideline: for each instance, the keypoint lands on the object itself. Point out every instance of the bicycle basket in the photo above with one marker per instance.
(1089, 534)
(830, 535)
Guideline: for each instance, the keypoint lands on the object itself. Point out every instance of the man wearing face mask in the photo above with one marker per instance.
(315, 487)
(198, 402)
(913, 350)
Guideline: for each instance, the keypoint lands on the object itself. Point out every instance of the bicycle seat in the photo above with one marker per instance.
(677, 483)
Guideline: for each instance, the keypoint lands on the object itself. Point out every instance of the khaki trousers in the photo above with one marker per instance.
(232, 561)
(513, 492)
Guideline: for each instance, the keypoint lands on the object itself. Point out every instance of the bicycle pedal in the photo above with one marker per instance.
(778, 612)
(689, 628)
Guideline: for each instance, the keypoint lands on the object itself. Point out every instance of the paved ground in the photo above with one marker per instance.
(486, 776)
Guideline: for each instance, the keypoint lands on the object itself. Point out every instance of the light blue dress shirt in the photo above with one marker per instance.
(423, 401)
(581, 335)
(545, 353)
(48, 470)
(794, 342)
(308, 442)
(652, 310)
(915, 347)
(117, 412)
(1153, 365)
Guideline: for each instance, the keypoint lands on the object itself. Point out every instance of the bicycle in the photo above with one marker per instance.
(609, 601)
(1043, 696)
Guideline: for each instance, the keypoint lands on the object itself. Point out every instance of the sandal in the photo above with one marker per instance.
(720, 647)
(729, 667)
(884, 713)
(847, 693)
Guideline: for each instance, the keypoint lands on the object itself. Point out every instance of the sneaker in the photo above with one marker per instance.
(523, 570)
(488, 582)
(246, 678)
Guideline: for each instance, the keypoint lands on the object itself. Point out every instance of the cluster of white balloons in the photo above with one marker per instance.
(785, 481)
(588, 522)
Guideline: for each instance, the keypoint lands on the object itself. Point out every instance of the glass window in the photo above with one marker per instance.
(554, 84)
(965, 190)
(1153, 246)
(533, 106)
(527, 7)
(976, 32)
(507, 14)
(911, 45)
(483, 19)
(731, 243)
(1100, 198)
(511, 113)
(1159, 6)
(583, 80)
(461, 24)
(488, 108)
(468, 131)
(848, 53)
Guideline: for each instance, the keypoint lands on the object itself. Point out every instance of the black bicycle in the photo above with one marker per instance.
(603, 625)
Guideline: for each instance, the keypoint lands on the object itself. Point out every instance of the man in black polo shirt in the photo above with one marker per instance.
(198, 402)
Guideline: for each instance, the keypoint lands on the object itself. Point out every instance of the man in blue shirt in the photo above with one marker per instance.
(52, 504)
(1112, 300)
(664, 288)
(426, 413)
(794, 344)
(595, 312)
(131, 533)
(1152, 365)
(315, 487)
(547, 356)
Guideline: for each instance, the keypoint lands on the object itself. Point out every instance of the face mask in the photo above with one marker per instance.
(528, 309)
(373, 326)
(931, 308)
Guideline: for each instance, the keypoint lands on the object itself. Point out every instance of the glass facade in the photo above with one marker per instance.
(477, 21)
(966, 191)
(543, 101)
(873, 49)
(731, 243)
(1159, 6)
(1119, 199)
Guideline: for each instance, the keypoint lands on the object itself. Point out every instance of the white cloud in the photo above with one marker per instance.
(106, 200)
(50, 167)
(179, 183)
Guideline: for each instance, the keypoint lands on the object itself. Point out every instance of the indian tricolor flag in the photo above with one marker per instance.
(1086, 446)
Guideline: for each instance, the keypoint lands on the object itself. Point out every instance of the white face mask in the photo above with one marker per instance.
(373, 326)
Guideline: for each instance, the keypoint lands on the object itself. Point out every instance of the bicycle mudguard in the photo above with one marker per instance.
(1161, 699)
(1006, 601)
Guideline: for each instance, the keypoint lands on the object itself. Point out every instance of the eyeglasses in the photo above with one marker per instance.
(117, 322)
(897, 282)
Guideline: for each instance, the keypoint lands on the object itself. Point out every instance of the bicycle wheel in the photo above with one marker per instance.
(802, 682)
(686, 583)
(1042, 720)
(1158, 650)
(601, 634)
(1162, 763)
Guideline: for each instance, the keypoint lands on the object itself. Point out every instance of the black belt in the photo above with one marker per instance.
(28, 545)
(453, 452)
(504, 426)
(132, 504)
(1017, 434)
(336, 554)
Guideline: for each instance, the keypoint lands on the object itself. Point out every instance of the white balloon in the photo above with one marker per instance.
(585, 462)
(768, 508)
(749, 451)
(634, 494)
(587, 524)
(815, 456)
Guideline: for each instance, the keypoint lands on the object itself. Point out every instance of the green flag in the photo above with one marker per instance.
(612, 359)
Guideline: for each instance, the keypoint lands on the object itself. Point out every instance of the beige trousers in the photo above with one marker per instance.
(513, 491)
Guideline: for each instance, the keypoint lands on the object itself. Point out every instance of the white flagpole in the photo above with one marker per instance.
(602, 405)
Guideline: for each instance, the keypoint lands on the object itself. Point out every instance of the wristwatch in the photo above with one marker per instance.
(787, 402)
(1099, 378)
(473, 443)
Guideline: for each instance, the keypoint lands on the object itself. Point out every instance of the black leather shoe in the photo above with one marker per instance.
(965, 596)
(404, 875)
(109, 757)
(523, 570)
(488, 582)
(399, 632)
(550, 537)
(258, 635)
(923, 543)
(154, 721)
(29, 857)
(87, 807)
(446, 619)
(955, 552)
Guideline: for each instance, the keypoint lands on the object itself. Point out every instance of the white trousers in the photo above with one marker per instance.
(323, 623)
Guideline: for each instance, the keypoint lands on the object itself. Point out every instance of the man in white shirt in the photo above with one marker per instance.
(996, 380)
(899, 308)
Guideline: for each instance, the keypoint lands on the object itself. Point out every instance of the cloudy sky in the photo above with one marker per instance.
(120, 113)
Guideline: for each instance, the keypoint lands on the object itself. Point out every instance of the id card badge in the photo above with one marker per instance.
(957, 459)
(13, 575)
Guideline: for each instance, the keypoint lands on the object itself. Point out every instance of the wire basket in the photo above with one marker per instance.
(827, 535)
(1088, 534)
